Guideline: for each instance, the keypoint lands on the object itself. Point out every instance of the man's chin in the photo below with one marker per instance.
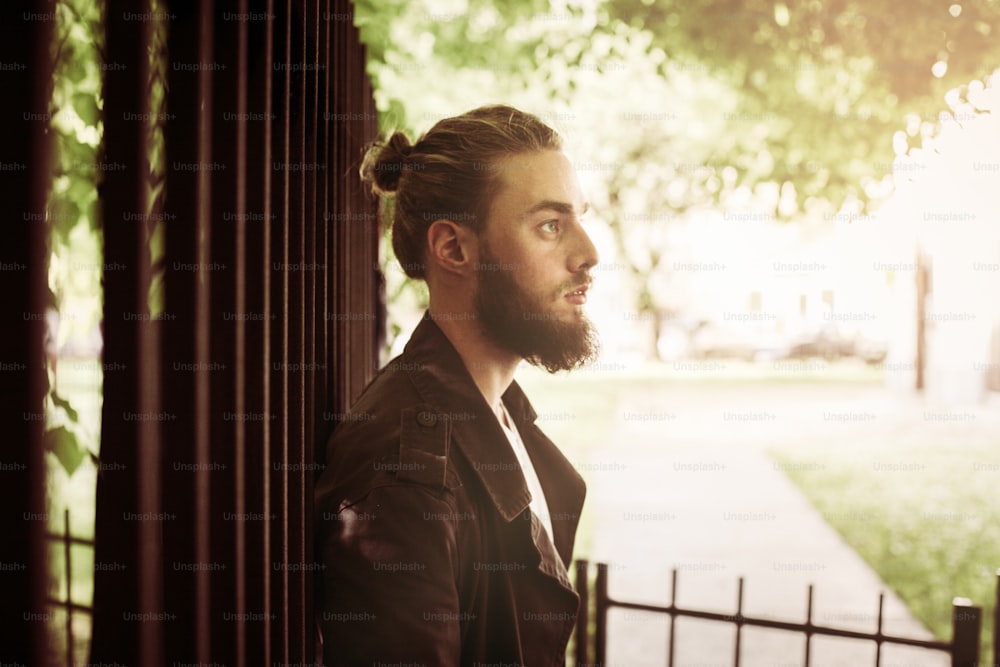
(564, 346)
(555, 337)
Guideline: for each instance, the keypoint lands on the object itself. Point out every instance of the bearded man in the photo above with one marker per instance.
(446, 518)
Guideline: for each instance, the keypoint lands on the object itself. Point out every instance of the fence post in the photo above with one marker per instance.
(583, 615)
(601, 611)
(70, 657)
(996, 624)
(966, 620)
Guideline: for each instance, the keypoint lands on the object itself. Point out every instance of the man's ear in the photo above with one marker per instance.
(451, 246)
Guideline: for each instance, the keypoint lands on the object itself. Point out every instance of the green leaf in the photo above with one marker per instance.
(156, 296)
(61, 402)
(86, 108)
(67, 448)
(64, 216)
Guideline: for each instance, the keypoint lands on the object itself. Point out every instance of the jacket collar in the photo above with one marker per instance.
(441, 378)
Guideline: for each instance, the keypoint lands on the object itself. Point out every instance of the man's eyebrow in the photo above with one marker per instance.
(553, 205)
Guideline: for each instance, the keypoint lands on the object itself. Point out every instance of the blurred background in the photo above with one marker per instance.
(797, 206)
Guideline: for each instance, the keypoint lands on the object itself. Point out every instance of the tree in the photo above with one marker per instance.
(787, 108)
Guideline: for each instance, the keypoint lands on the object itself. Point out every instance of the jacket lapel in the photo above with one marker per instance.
(440, 376)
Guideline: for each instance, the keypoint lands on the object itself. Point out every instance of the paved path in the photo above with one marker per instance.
(687, 484)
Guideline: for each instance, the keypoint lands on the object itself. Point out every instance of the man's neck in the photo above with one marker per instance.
(491, 367)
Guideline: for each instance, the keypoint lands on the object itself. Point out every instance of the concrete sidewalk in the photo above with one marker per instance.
(689, 485)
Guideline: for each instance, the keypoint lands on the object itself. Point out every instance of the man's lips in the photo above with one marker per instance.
(578, 295)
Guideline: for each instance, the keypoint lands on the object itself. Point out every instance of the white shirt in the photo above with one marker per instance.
(538, 505)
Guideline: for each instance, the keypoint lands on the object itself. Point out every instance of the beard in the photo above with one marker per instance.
(519, 321)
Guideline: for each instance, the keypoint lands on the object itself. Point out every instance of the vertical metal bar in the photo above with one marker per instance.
(239, 341)
(878, 631)
(338, 204)
(601, 622)
(739, 621)
(69, 589)
(283, 340)
(203, 342)
(309, 368)
(342, 247)
(302, 443)
(130, 432)
(266, 342)
(183, 155)
(996, 624)
(351, 280)
(323, 243)
(583, 616)
(673, 617)
(23, 197)
(965, 624)
(809, 621)
(148, 389)
(361, 237)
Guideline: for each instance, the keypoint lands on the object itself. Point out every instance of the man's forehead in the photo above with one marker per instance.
(567, 208)
(544, 180)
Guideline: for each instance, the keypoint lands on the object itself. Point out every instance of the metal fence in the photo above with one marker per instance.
(210, 427)
(596, 602)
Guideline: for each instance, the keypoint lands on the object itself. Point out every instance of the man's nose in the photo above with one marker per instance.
(584, 255)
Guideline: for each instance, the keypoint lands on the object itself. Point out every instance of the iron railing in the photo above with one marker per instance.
(596, 602)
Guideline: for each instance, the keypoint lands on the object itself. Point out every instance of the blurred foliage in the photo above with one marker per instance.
(830, 79)
(155, 193)
(75, 109)
(785, 108)
(73, 214)
(818, 85)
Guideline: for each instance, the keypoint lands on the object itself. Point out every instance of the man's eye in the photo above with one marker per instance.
(550, 226)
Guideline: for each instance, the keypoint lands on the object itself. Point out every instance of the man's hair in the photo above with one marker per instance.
(451, 173)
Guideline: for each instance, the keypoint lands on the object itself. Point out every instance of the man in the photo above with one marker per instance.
(446, 517)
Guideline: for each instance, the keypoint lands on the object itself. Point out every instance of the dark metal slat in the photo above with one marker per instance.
(280, 342)
(27, 144)
(203, 407)
(240, 357)
(129, 490)
(268, 404)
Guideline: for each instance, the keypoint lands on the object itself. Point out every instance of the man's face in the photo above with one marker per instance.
(534, 262)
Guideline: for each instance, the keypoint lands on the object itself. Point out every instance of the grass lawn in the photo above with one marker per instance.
(924, 515)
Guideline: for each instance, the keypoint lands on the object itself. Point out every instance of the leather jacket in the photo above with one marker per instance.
(430, 553)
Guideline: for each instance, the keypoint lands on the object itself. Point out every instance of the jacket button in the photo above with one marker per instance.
(426, 418)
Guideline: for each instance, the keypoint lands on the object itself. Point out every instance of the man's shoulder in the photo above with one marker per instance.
(373, 422)
(391, 435)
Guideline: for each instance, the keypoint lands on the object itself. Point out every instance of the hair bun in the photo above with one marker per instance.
(385, 161)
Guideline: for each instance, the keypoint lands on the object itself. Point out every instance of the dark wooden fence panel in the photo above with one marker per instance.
(267, 113)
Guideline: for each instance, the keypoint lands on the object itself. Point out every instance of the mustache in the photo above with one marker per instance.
(582, 279)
